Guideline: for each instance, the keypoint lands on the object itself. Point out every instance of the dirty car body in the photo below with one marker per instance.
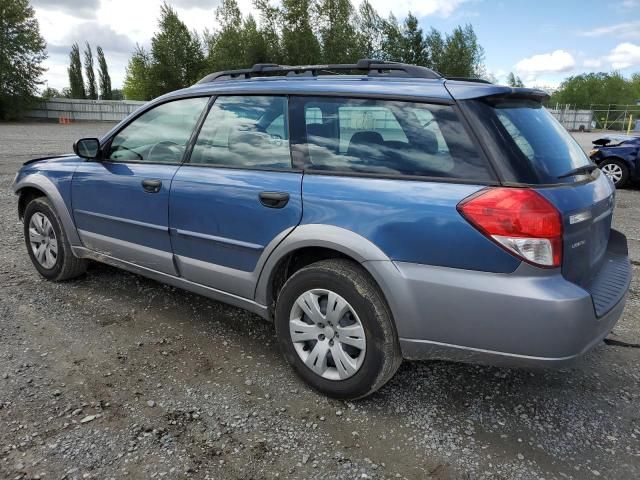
(470, 224)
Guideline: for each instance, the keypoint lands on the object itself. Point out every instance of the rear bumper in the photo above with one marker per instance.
(531, 317)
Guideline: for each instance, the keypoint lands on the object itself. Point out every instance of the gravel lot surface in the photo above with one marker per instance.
(116, 376)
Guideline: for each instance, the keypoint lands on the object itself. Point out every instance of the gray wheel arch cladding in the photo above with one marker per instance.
(48, 188)
(335, 238)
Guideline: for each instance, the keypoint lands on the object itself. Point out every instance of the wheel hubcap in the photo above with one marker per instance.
(613, 171)
(327, 334)
(42, 239)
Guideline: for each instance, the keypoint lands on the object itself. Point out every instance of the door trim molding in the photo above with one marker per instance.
(152, 226)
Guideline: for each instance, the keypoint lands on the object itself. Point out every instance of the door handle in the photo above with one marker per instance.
(151, 186)
(274, 199)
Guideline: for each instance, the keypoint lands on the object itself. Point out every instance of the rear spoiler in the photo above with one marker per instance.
(461, 90)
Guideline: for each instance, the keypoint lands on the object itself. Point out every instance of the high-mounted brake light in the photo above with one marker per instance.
(520, 220)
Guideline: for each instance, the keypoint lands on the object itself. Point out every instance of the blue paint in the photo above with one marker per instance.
(410, 221)
(122, 209)
(221, 206)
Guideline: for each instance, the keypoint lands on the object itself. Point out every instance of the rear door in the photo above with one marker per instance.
(121, 204)
(237, 195)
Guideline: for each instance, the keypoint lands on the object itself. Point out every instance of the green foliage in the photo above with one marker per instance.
(106, 93)
(299, 43)
(49, 93)
(177, 57)
(76, 82)
(462, 55)
(137, 81)
(293, 32)
(22, 51)
(340, 42)
(91, 87)
(597, 88)
(176, 60)
(370, 30)
(514, 81)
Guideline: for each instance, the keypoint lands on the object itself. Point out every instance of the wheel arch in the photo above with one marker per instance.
(308, 244)
(37, 185)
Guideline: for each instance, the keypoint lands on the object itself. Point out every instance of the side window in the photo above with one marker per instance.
(389, 137)
(245, 132)
(159, 135)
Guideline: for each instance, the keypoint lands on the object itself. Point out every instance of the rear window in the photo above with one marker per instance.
(388, 137)
(532, 146)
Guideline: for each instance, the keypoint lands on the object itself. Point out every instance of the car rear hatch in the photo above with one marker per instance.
(530, 149)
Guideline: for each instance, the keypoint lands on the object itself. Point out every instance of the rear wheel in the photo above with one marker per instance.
(617, 171)
(47, 243)
(335, 328)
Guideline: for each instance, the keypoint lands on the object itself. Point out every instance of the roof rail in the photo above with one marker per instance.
(374, 68)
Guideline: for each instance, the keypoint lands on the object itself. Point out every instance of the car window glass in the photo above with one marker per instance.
(390, 137)
(245, 131)
(159, 135)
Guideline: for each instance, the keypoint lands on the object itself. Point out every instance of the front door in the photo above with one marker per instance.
(121, 204)
(237, 195)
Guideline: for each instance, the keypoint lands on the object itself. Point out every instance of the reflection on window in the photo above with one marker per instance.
(249, 132)
(390, 137)
(159, 135)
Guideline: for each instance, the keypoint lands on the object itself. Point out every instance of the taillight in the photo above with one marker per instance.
(520, 220)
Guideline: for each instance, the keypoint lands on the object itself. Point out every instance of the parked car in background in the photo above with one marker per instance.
(381, 214)
(618, 156)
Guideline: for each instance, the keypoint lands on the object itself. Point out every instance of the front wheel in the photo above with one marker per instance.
(617, 171)
(47, 244)
(335, 328)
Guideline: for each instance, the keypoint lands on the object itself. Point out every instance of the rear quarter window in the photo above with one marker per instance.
(388, 137)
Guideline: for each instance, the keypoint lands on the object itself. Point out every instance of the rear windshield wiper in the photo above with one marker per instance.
(579, 170)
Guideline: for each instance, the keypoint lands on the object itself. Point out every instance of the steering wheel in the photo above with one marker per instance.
(165, 149)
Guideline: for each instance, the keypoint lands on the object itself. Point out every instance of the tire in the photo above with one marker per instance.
(55, 264)
(367, 317)
(617, 171)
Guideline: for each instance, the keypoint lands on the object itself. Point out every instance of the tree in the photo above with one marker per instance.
(177, 59)
(137, 82)
(255, 47)
(91, 87)
(413, 43)
(393, 46)
(22, 51)
(76, 82)
(462, 55)
(596, 88)
(369, 30)
(226, 44)
(299, 44)
(270, 23)
(514, 81)
(434, 44)
(340, 43)
(103, 76)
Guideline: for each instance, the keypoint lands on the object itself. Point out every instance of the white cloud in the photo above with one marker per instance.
(618, 30)
(555, 62)
(592, 63)
(77, 8)
(420, 8)
(624, 55)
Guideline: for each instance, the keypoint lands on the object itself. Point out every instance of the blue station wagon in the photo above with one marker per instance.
(374, 211)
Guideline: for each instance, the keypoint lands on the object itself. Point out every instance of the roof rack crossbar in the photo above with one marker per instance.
(374, 68)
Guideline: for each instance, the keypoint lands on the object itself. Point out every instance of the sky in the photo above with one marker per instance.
(542, 41)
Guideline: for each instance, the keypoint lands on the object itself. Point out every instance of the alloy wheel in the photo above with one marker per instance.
(613, 171)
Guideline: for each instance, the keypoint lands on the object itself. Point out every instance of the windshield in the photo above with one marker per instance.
(531, 144)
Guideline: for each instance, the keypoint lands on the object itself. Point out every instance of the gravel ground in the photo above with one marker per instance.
(113, 375)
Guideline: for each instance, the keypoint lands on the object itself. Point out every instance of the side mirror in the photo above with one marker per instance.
(87, 148)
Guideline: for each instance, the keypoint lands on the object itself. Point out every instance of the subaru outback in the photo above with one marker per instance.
(374, 212)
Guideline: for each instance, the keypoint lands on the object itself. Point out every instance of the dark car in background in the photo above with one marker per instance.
(618, 156)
